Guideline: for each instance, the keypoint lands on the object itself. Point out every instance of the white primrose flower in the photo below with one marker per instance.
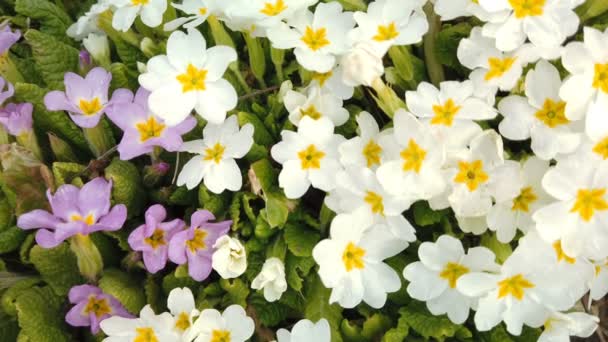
(597, 130)
(560, 326)
(190, 77)
(214, 162)
(413, 159)
(450, 110)
(148, 327)
(232, 325)
(507, 216)
(333, 82)
(391, 22)
(587, 63)
(268, 13)
(150, 11)
(350, 261)
(318, 39)
(229, 259)
(540, 115)
(98, 46)
(272, 279)
(87, 24)
(452, 9)
(579, 215)
(546, 23)
(314, 104)
(306, 330)
(491, 67)
(365, 150)
(181, 305)
(433, 279)
(358, 188)
(598, 287)
(363, 64)
(309, 157)
(197, 13)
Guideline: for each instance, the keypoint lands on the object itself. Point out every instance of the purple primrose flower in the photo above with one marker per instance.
(92, 306)
(8, 38)
(17, 118)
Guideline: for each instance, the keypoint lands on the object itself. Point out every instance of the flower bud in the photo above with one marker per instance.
(362, 65)
(99, 48)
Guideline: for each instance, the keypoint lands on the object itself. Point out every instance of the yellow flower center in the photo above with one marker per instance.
(220, 336)
(97, 306)
(312, 112)
(145, 335)
(310, 158)
(600, 80)
(90, 107)
(88, 220)
(413, 156)
(139, 2)
(557, 246)
(322, 77)
(157, 239)
(499, 66)
(273, 9)
(198, 241)
(150, 129)
(524, 199)
(203, 11)
(372, 152)
(353, 257)
(315, 40)
(375, 202)
(193, 79)
(183, 321)
(444, 114)
(386, 32)
(471, 174)
(553, 113)
(452, 271)
(588, 201)
(601, 148)
(215, 153)
(514, 286)
(527, 8)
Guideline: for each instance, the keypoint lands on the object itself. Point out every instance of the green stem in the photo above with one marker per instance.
(234, 67)
(434, 67)
(278, 58)
(90, 262)
(100, 140)
(257, 58)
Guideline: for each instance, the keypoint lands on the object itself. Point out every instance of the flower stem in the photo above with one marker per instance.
(90, 263)
(257, 58)
(278, 57)
(100, 140)
(435, 69)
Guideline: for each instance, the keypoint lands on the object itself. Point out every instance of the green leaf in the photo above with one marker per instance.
(424, 323)
(213, 202)
(317, 306)
(53, 20)
(9, 329)
(6, 214)
(502, 250)
(127, 188)
(154, 295)
(401, 57)
(40, 316)
(62, 150)
(65, 173)
(301, 240)
(11, 239)
(9, 297)
(447, 43)
(121, 77)
(261, 135)
(126, 288)
(236, 291)
(170, 282)
(297, 268)
(53, 58)
(424, 215)
(57, 266)
(398, 333)
(182, 196)
(127, 53)
(269, 314)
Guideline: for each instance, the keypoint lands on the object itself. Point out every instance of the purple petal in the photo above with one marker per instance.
(155, 260)
(130, 148)
(99, 80)
(86, 121)
(199, 266)
(155, 215)
(37, 219)
(172, 227)
(126, 115)
(69, 229)
(94, 197)
(114, 220)
(46, 239)
(122, 96)
(177, 247)
(57, 100)
(141, 98)
(82, 292)
(200, 217)
(136, 239)
(77, 88)
(8, 38)
(95, 322)
(117, 307)
(185, 126)
(75, 316)
(65, 201)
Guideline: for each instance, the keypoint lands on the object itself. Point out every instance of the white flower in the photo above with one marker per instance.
(365, 150)
(150, 11)
(232, 325)
(350, 261)
(229, 258)
(597, 130)
(579, 215)
(560, 326)
(269, 13)
(490, 66)
(540, 116)
(450, 110)
(181, 305)
(216, 153)
(189, 77)
(197, 10)
(148, 327)
(587, 63)
(358, 188)
(87, 23)
(309, 156)
(433, 279)
(452, 9)
(507, 216)
(391, 22)
(306, 330)
(413, 161)
(598, 287)
(332, 82)
(314, 104)
(272, 279)
(546, 24)
(362, 64)
(99, 47)
(317, 38)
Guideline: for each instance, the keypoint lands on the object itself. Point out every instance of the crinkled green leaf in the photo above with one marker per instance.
(501, 250)
(261, 135)
(154, 295)
(398, 333)
(9, 297)
(9, 328)
(447, 42)
(417, 316)
(57, 266)
(65, 173)
(170, 282)
(213, 202)
(182, 196)
(269, 314)
(236, 291)
(53, 20)
(125, 287)
(63, 151)
(424, 215)
(297, 268)
(317, 306)
(6, 214)
(121, 77)
(40, 316)
(11, 239)
(300, 240)
(126, 186)
(53, 58)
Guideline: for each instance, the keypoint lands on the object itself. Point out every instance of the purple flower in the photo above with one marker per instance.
(142, 129)
(85, 99)
(152, 238)
(92, 306)
(17, 118)
(195, 244)
(10, 91)
(75, 211)
(8, 38)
